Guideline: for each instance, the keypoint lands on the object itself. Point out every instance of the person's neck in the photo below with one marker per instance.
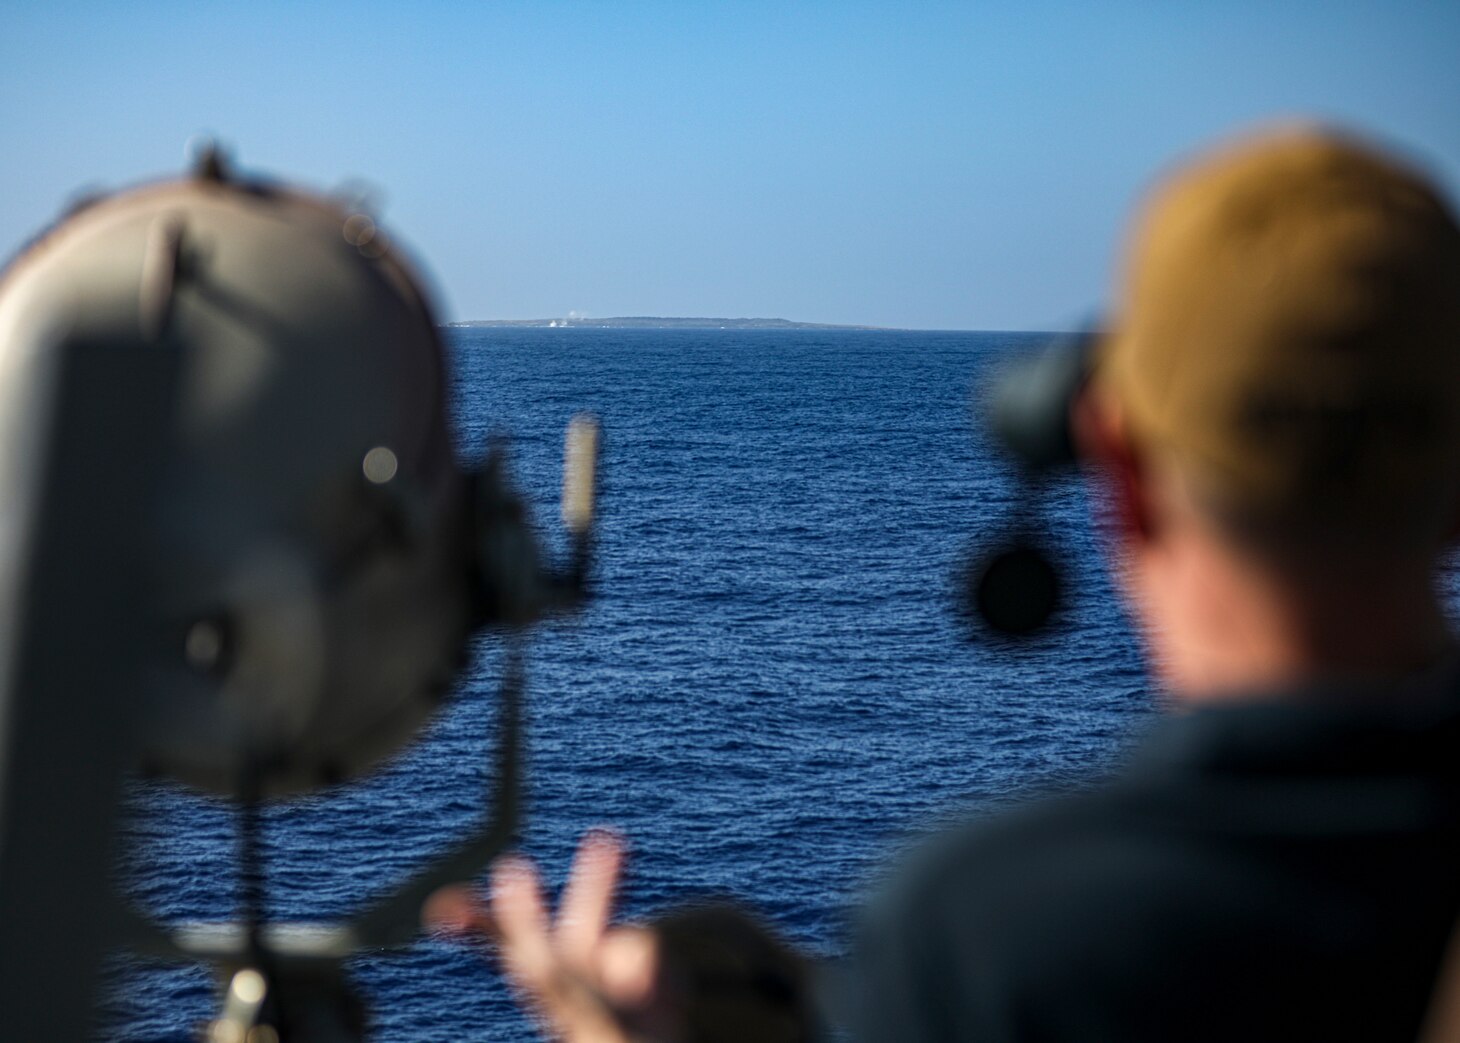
(1220, 627)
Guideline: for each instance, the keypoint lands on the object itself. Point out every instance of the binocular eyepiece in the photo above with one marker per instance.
(1011, 587)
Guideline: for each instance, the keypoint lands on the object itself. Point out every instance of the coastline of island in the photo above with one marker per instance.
(654, 322)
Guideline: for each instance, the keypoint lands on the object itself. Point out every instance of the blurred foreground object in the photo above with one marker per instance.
(1288, 332)
(235, 549)
(1272, 422)
(1011, 583)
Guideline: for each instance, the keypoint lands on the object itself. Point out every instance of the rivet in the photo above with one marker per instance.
(380, 465)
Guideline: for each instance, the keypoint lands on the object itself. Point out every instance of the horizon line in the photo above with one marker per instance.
(717, 322)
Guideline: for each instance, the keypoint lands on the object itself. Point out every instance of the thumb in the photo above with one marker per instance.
(628, 967)
(455, 909)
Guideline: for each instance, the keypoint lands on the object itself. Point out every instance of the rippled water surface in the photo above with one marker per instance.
(770, 693)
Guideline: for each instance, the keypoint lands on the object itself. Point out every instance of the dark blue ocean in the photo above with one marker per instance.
(771, 694)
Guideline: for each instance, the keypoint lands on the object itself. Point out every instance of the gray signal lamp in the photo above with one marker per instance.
(236, 550)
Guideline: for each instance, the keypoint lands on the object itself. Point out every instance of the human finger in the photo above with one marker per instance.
(587, 902)
(456, 909)
(522, 922)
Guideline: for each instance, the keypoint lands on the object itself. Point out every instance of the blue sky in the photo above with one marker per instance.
(904, 164)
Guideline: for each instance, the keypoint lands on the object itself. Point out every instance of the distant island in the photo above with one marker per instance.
(656, 322)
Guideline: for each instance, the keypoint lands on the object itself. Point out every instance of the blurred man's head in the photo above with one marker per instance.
(1282, 373)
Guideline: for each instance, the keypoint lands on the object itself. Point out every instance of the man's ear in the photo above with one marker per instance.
(1102, 438)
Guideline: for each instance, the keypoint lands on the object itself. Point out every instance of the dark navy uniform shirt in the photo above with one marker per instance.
(1283, 868)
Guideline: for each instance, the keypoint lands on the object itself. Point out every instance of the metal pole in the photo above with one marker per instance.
(78, 478)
